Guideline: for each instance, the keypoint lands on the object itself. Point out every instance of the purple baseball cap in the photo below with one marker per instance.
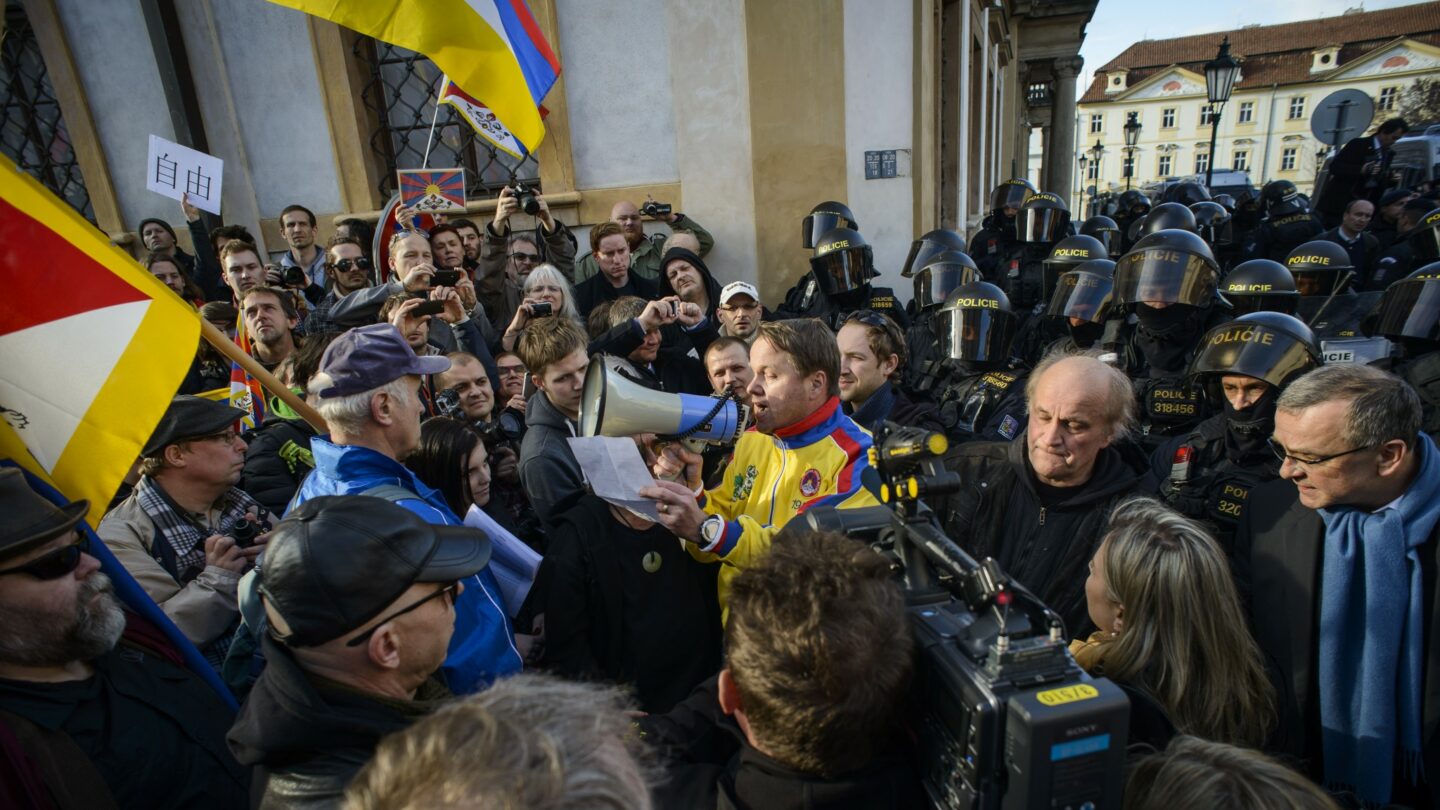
(368, 357)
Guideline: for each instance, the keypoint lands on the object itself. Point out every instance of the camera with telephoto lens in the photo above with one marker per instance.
(295, 277)
(525, 197)
(540, 309)
(1001, 715)
(656, 209)
(245, 530)
(507, 426)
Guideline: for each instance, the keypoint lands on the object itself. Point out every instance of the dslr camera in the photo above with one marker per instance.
(295, 277)
(656, 209)
(1002, 716)
(525, 197)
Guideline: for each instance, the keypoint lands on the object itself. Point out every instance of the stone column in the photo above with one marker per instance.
(1060, 151)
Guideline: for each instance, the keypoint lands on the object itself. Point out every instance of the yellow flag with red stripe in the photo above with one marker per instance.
(92, 347)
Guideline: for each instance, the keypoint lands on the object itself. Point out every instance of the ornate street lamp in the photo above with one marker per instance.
(1084, 176)
(1097, 152)
(1220, 75)
(1132, 137)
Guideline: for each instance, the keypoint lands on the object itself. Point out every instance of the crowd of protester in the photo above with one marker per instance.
(1199, 430)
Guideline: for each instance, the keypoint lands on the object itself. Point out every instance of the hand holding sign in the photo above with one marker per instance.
(179, 172)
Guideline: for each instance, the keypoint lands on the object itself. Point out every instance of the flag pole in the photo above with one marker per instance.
(429, 141)
(227, 347)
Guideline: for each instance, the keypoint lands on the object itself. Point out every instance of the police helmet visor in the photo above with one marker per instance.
(1316, 282)
(843, 270)
(1219, 234)
(1041, 224)
(976, 334)
(1410, 308)
(1086, 296)
(1164, 275)
(1254, 350)
(1246, 303)
(935, 282)
(818, 223)
(1009, 195)
(921, 252)
(1110, 238)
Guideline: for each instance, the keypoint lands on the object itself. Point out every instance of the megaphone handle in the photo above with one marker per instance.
(695, 446)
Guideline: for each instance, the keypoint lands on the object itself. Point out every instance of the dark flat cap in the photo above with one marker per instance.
(30, 518)
(187, 418)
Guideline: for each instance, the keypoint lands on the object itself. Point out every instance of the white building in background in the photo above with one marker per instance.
(1286, 70)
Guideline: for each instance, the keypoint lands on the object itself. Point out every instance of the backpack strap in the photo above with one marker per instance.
(72, 780)
(392, 493)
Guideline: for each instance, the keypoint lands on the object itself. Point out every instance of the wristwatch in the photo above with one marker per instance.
(711, 530)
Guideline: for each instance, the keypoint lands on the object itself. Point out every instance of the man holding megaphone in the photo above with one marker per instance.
(803, 452)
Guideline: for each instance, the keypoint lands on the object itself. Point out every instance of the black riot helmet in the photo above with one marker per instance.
(1281, 197)
(842, 261)
(1319, 267)
(1168, 216)
(1068, 253)
(1212, 222)
(1187, 193)
(1410, 308)
(1226, 201)
(823, 218)
(1172, 267)
(976, 324)
(1260, 285)
(927, 246)
(1424, 238)
(1043, 218)
(1133, 233)
(1268, 346)
(1104, 229)
(1010, 194)
(944, 272)
(1086, 292)
(1134, 203)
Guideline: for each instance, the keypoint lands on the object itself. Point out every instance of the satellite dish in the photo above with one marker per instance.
(1342, 115)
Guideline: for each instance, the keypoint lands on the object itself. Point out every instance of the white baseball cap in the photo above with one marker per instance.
(735, 288)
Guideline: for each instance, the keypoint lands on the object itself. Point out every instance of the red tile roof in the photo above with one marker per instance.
(1275, 54)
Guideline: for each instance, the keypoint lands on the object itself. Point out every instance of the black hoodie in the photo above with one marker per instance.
(709, 329)
(308, 737)
(1042, 536)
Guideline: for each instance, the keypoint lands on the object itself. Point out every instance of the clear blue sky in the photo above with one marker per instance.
(1120, 23)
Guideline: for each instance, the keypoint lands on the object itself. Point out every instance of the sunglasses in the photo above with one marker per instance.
(344, 265)
(450, 589)
(55, 564)
(525, 257)
(870, 317)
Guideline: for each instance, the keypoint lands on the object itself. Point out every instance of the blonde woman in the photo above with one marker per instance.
(545, 284)
(1172, 632)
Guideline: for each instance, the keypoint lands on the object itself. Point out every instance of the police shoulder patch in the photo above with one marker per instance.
(1009, 427)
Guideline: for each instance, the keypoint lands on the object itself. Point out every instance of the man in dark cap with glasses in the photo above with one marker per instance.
(89, 718)
(359, 598)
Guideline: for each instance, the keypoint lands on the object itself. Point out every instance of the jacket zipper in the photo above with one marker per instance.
(1042, 516)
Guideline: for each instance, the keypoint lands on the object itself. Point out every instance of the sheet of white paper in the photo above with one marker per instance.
(615, 471)
(511, 561)
(174, 171)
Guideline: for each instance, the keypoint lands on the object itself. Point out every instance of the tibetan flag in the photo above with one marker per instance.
(92, 347)
(482, 119)
(245, 391)
(433, 189)
(492, 48)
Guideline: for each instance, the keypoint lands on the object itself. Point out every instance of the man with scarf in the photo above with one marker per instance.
(1168, 280)
(1340, 561)
(1243, 366)
(187, 532)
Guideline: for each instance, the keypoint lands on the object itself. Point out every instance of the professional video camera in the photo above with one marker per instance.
(1006, 718)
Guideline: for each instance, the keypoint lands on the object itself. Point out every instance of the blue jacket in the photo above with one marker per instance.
(483, 646)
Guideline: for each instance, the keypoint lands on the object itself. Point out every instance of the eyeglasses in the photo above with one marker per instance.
(344, 265)
(511, 371)
(451, 590)
(525, 257)
(1281, 454)
(55, 564)
(227, 436)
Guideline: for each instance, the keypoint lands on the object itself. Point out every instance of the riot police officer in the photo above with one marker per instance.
(1169, 280)
(1037, 331)
(1324, 276)
(1042, 221)
(980, 399)
(1168, 216)
(925, 248)
(1243, 365)
(1409, 315)
(1212, 222)
(1261, 285)
(1082, 301)
(824, 218)
(1107, 231)
(839, 283)
(940, 274)
(1187, 193)
(997, 232)
(1288, 223)
(1133, 206)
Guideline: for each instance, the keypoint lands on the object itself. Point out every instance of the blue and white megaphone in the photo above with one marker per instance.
(615, 405)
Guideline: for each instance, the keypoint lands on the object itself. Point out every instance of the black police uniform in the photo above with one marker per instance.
(934, 279)
(1039, 329)
(995, 239)
(839, 283)
(979, 398)
(1409, 314)
(1200, 479)
(1277, 236)
(983, 405)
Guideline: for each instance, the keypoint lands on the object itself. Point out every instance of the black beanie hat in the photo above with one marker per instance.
(140, 229)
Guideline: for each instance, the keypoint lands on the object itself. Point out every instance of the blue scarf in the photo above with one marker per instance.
(876, 409)
(1371, 645)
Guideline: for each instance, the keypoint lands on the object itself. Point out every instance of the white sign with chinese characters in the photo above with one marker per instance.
(178, 171)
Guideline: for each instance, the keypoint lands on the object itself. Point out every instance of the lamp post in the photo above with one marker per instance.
(1084, 176)
(1132, 137)
(1097, 152)
(1220, 75)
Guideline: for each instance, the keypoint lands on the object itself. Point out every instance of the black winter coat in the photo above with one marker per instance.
(277, 460)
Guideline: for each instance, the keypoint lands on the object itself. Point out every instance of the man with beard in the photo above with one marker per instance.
(93, 715)
(803, 452)
(270, 321)
(683, 273)
(297, 225)
(159, 237)
(739, 311)
(1209, 473)
(348, 269)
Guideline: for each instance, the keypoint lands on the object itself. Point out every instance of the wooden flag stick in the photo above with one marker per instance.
(227, 347)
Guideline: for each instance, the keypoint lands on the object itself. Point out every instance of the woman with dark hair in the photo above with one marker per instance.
(172, 274)
(453, 459)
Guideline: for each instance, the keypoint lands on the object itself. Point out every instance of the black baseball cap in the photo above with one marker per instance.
(336, 562)
(368, 357)
(189, 417)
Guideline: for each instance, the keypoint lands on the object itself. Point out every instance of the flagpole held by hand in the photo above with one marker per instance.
(227, 347)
